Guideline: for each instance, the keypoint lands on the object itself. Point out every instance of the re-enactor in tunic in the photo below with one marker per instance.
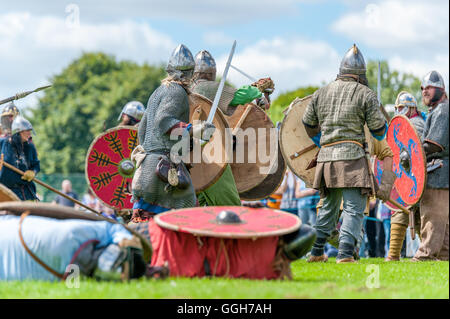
(335, 120)
(434, 205)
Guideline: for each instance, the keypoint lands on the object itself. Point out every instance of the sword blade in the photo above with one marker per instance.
(379, 83)
(243, 73)
(221, 85)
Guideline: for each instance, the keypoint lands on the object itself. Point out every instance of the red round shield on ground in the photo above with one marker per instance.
(411, 178)
(109, 169)
(377, 171)
(254, 222)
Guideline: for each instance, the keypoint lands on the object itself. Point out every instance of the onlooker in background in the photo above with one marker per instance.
(288, 187)
(307, 199)
(384, 214)
(66, 187)
(89, 199)
(372, 231)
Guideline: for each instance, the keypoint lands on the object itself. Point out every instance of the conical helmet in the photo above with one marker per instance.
(204, 63)
(406, 99)
(181, 59)
(21, 124)
(10, 109)
(353, 62)
(433, 78)
(135, 109)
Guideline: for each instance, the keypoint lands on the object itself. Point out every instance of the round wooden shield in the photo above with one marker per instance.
(269, 185)
(252, 128)
(7, 195)
(378, 171)
(402, 137)
(297, 148)
(254, 222)
(208, 162)
(109, 169)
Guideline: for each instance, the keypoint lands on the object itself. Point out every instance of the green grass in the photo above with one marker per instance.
(403, 279)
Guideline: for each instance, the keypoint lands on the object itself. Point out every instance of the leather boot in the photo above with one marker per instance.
(317, 259)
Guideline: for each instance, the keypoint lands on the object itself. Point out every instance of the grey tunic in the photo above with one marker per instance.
(166, 107)
(436, 132)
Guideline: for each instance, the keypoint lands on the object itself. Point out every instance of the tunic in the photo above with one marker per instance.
(27, 160)
(341, 109)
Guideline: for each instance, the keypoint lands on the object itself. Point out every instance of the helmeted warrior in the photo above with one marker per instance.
(9, 112)
(406, 105)
(205, 84)
(18, 151)
(335, 120)
(131, 113)
(224, 192)
(434, 206)
(167, 110)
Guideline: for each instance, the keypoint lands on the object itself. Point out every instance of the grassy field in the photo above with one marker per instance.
(403, 279)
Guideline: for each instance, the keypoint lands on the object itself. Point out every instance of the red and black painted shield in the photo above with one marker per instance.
(409, 162)
(229, 221)
(109, 169)
(378, 170)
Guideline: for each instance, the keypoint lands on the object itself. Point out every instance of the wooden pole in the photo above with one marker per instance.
(18, 171)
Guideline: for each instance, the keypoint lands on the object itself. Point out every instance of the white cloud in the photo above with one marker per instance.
(290, 62)
(35, 47)
(211, 12)
(411, 35)
(397, 24)
(217, 38)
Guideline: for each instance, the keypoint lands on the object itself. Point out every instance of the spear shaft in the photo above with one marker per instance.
(23, 94)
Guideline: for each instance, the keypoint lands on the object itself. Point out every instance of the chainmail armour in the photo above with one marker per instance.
(166, 107)
(436, 131)
(208, 89)
(419, 124)
(341, 109)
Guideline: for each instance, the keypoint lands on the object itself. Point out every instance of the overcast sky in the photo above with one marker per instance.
(294, 42)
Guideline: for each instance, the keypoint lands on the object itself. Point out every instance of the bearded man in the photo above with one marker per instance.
(434, 207)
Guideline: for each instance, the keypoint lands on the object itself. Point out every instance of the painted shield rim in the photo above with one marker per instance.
(116, 128)
(423, 156)
(206, 233)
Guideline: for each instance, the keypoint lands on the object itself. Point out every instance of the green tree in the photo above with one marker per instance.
(393, 82)
(86, 98)
(284, 100)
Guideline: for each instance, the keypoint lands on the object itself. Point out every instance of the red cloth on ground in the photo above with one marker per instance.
(185, 254)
